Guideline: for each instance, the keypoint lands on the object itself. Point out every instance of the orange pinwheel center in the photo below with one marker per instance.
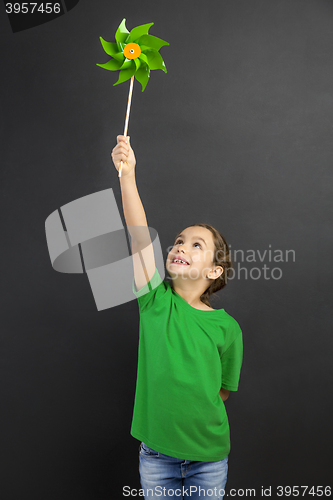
(132, 51)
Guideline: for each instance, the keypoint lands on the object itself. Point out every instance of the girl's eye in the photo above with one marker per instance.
(197, 244)
(178, 242)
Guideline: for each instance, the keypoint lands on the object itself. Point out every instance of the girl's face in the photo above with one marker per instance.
(195, 248)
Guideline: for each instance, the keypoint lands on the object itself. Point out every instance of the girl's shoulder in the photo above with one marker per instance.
(233, 327)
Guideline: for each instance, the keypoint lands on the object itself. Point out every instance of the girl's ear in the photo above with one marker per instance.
(216, 273)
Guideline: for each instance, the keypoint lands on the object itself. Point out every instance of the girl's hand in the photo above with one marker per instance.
(123, 152)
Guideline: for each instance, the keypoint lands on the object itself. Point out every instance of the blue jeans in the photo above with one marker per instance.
(167, 477)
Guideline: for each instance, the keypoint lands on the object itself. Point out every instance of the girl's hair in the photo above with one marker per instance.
(221, 258)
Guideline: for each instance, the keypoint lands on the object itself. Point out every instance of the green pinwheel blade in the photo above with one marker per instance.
(119, 56)
(155, 60)
(143, 58)
(110, 48)
(122, 32)
(112, 65)
(137, 63)
(125, 74)
(152, 42)
(139, 31)
(121, 46)
(127, 64)
(142, 75)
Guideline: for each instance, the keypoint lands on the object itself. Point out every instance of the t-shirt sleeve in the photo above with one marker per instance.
(150, 292)
(232, 358)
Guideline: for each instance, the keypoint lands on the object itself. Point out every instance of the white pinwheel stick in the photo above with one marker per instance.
(127, 116)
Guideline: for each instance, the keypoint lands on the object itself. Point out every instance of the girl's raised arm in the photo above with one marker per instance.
(142, 248)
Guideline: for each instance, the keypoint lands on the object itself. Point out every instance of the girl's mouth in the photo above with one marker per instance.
(180, 262)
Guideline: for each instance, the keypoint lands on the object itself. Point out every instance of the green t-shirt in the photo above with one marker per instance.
(185, 356)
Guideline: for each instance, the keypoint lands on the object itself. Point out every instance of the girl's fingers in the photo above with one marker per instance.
(121, 149)
(119, 157)
(121, 152)
(121, 138)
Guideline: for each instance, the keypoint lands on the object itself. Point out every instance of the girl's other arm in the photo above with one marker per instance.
(136, 221)
(224, 394)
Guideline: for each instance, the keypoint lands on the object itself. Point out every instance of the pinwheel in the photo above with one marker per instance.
(134, 54)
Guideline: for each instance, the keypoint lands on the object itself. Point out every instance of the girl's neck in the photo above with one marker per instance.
(191, 297)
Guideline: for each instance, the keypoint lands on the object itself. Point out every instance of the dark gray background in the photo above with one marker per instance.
(237, 134)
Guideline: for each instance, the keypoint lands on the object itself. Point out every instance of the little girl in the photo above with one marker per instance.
(190, 355)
